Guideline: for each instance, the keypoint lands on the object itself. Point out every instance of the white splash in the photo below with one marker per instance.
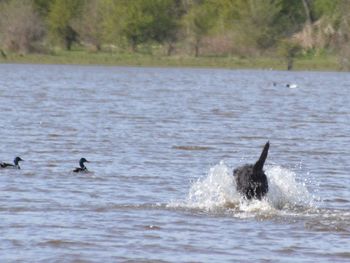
(214, 191)
(284, 190)
(217, 191)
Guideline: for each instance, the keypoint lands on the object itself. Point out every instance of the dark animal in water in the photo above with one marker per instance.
(251, 181)
(10, 165)
(82, 167)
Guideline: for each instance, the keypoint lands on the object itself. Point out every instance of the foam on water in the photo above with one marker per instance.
(214, 191)
(217, 191)
(284, 189)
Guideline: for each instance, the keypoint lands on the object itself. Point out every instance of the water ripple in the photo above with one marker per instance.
(157, 191)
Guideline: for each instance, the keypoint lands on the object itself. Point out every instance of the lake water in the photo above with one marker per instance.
(162, 144)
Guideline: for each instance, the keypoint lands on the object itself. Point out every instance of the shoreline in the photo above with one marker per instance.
(325, 63)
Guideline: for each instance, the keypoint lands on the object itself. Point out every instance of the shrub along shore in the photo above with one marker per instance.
(275, 34)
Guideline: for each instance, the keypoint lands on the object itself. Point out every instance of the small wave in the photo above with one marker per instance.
(64, 243)
(145, 206)
(192, 148)
(328, 220)
(152, 227)
(217, 193)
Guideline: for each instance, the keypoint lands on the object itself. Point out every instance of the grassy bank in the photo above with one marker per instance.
(324, 63)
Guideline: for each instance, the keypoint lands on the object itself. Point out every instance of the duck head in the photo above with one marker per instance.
(82, 161)
(17, 160)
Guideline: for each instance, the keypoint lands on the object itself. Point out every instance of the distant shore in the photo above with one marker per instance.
(325, 63)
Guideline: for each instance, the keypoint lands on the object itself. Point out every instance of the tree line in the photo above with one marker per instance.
(192, 27)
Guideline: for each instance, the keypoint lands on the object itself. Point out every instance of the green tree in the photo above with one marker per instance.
(93, 24)
(42, 6)
(289, 50)
(295, 15)
(142, 21)
(131, 22)
(255, 24)
(61, 19)
(198, 22)
(260, 22)
(321, 8)
(164, 24)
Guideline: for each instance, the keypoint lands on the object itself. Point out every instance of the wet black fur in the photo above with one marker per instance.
(251, 181)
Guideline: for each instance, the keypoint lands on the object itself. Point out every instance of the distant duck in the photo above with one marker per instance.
(292, 86)
(82, 167)
(12, 166)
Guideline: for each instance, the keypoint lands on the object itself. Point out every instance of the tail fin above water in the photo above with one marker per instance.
(258, 166)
